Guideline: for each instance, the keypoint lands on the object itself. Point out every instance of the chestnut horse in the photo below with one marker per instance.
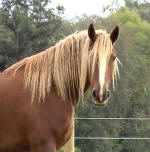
(38, 95)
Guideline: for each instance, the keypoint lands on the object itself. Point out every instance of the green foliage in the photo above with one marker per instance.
(142, 7)
(27, 27)
(82, 23)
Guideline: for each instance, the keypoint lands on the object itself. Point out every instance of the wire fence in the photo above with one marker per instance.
(112, 138)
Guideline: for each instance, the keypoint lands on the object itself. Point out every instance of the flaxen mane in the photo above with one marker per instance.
(66, 65)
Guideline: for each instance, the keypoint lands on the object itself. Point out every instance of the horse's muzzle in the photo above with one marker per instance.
(100, 100)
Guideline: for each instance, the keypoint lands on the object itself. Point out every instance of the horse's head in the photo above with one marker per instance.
(104, 67)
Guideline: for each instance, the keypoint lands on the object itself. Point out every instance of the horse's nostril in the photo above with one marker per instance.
(107, 94)
(94, 93)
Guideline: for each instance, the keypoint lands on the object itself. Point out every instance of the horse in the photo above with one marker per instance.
(38, 94)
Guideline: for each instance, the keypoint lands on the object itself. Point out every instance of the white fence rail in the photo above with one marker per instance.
(82, 118)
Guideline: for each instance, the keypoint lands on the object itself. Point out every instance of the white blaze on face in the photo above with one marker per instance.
(102, 72)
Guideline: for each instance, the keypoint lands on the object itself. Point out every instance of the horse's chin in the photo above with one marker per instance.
(103, 103)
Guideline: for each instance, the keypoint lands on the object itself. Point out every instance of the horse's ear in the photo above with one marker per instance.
(91, 32)
(114, 34)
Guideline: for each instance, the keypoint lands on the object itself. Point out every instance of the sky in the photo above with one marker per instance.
(78, 7)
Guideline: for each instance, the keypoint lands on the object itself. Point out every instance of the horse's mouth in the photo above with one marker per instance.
(103, 103)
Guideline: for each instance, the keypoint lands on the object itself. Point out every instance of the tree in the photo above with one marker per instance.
(33, 26)
(5, 43)
(140, 6)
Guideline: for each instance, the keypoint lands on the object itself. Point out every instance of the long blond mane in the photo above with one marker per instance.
(66, 65)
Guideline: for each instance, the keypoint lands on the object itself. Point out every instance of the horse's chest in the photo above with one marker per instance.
(65, 136)
(62, 123)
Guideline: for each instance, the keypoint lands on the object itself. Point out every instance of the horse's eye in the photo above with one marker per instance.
(113, 57)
